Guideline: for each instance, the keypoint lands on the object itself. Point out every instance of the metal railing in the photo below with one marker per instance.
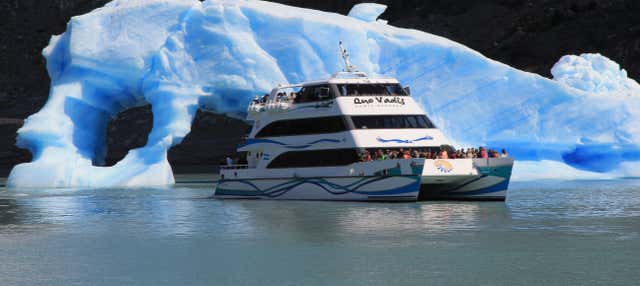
(234, 167)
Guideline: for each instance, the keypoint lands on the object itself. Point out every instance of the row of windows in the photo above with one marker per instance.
(323, 92)
(317, 125)
(371, 89)
(315, 158)
(391, 122)
(333, 124)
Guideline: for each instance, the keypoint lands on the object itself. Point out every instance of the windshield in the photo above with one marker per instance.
(371, 89)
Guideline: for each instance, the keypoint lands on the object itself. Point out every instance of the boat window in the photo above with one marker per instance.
(371, 89)
(391, 121)
(315, 158)
(313, 93)
(304, 126)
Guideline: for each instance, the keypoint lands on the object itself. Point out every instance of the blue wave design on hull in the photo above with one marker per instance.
(283, 188)
(306, 145)
(404, 140)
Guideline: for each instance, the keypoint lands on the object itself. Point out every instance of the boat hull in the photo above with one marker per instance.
(387, 180)
(355, 188)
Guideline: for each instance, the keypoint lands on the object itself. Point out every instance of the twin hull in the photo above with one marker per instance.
(388, 180)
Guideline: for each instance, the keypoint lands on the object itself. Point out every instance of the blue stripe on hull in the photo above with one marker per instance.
(307, 188)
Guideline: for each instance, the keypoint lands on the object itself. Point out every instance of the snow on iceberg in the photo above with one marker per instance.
(367, 11)
(594, 73)
(184, 55)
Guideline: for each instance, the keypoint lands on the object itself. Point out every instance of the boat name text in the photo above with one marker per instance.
(379, 99)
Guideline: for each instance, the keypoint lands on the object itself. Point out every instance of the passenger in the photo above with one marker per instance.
(444, 154)
(229, 161)
(503, 154)
(366, 157)
(454, 155)
(406, 155)
(483, 153)
(380, 155)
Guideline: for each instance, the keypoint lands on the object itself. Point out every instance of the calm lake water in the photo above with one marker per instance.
(549, 233)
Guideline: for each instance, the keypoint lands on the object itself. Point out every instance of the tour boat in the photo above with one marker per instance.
(312, 141)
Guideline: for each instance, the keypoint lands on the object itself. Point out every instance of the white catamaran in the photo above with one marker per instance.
(313, 141)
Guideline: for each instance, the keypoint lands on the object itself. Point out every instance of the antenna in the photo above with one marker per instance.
(345, 57)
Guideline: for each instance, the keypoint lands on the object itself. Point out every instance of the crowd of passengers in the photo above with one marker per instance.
(409, 153)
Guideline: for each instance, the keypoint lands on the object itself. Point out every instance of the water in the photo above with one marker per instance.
(550, 233)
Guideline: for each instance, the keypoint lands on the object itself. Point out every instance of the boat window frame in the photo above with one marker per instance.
(322, 158)
(345, 126)
(389, 121)
(301, 94)
(338, 88)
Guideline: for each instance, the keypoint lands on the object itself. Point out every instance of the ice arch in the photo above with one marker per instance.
(182, 55)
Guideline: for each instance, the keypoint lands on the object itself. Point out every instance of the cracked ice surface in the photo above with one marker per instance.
(184, 55)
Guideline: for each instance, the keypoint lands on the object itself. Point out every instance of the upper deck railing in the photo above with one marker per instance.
(234, 167)
(279, 105)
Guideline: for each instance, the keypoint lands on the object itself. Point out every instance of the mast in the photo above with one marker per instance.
(345, 56)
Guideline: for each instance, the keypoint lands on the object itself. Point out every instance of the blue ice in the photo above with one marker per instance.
(184, 55)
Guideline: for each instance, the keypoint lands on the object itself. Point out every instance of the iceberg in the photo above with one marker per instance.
(184, 55)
